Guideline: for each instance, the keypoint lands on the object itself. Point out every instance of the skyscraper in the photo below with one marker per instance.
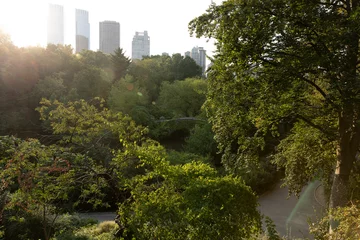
(199, 56)
(82, 30)
(195, 55)
(109, 36)
(140, 45)
(55, 24)
(202, 59)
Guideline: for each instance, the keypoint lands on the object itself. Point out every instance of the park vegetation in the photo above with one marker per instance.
(176, 154)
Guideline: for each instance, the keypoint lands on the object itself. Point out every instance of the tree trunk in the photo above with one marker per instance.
(346, 152)
(339, 189)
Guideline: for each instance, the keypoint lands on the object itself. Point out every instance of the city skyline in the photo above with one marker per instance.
(168, 25)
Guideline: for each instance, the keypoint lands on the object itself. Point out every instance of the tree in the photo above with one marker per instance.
(183, 98)
(39, 179)
(201, 141)
(152, 71)
(98, 133)
(126, 94)
(189, 201)
(92, 82)
(96, 59)
(189, 69)
(52, 87)
(292, 62)
(120, 63)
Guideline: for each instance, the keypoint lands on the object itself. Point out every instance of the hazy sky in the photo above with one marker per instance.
(165, 20)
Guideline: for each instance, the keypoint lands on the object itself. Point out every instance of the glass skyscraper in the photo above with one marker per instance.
(82, 30)
(55, 24)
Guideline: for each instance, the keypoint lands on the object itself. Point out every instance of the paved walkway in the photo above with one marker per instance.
(291, 215)
(100, 216)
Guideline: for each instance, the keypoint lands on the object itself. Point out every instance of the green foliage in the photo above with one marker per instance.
(201, 140)
(151, 72)
(96, 59)
(280, 65)
(81, 122)
(182, 68)
(39, 179)
(19, 224)
(183, 98)
(187, 201)
(92, 82)
(271, 232)
(52, 87)
(175, 157)
(120, 63)
(103, 231)
(126, 94)
(96, 132)
(304, 154)
(67, 222)
(348, 218)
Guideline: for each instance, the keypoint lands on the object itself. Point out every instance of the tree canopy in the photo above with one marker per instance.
(291, 64)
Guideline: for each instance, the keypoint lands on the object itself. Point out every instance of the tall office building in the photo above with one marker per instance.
(199, 56)
(194, 54)
(55, 24)
(187, 54)
(109, 36)
(202, 59)
(82, 30)
(140, 45)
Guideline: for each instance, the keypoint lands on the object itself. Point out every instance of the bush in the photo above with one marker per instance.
(190, 201)
(102, 231)
(176, 158)
(348, 219)
(69, 222)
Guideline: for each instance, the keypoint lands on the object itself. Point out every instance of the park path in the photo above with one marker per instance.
(291, 215)
(100, 216)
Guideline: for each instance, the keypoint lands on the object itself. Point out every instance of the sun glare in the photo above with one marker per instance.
(24, 21)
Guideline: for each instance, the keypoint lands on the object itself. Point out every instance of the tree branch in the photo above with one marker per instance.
(326, 97)
(310, 123)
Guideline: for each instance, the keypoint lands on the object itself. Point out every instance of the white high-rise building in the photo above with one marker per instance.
(199, 56)
(202, 59)
(55, 24)
(140, 45)
(194, 54)
(82, 30)
(109, 36)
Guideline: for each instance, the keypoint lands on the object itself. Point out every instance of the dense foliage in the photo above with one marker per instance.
(65, 149)
(287, 71)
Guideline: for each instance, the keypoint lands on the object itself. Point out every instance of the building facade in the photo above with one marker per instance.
(82, 30)
(55, 24)
(199, 56)
(202, 59)
(140, 45)
(109, 36)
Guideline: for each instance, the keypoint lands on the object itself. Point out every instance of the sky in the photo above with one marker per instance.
(165, 20)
